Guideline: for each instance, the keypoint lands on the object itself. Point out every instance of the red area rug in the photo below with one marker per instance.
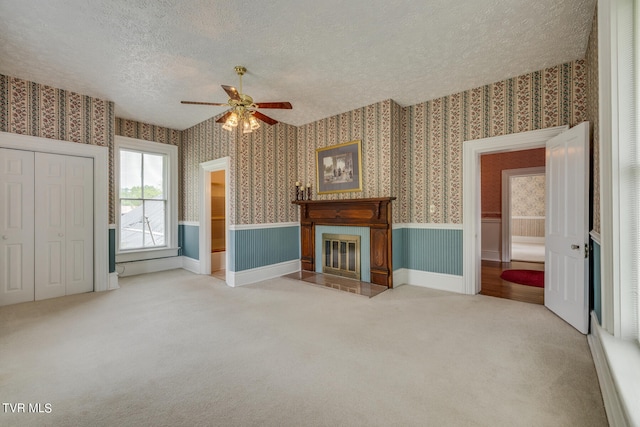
(524, 277)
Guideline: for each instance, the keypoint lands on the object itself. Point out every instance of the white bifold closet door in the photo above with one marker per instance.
(46, 225)
(63, 225)
(16, 226)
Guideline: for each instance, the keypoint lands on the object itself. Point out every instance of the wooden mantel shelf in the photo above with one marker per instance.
(374, 213)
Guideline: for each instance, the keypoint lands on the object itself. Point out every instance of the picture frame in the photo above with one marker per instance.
(339, 168)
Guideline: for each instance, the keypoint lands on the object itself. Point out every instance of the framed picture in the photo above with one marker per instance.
(339, 168)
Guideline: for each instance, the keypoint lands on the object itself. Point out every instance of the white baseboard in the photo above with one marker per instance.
(491, 255)
(400, 277)
(113, 281)
(190, 264)
(613, 403)
(427, 279)
(133, 268)
(218, 260)
(246, 277)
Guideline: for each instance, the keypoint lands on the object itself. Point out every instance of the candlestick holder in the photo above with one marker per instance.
(308, 193)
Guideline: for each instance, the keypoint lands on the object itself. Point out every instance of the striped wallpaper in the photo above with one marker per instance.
(262, 174)
(415, 153)
(38, 110)
(437, 129)
(371, 125)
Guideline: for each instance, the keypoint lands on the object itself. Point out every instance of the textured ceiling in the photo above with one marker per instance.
(325, 57)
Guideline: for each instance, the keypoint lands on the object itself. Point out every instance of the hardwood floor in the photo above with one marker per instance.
(493, 285)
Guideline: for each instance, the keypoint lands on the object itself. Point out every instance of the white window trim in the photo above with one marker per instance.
(614, 343)
(171, 151)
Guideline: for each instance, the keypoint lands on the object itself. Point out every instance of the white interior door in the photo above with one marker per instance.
(79, 225)
(16, 226)
(567, 222)
(63, 225)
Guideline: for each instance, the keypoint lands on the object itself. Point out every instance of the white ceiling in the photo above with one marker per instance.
(324, 56)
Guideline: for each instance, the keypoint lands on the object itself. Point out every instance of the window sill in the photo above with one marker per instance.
(623, 361)
(145, 254)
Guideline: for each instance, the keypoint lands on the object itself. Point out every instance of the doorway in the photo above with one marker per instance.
(472, 230)
(218, 224)
(214, 218)
(523, 206)
(512, 209)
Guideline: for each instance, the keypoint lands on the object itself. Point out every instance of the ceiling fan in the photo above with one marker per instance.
(243, 108)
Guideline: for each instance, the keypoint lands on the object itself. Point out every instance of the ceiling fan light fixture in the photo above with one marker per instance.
(246, 126)
(232, 120)
(254, 123)
(242, 107)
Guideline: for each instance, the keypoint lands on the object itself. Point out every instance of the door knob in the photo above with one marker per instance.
(5, 237)
(60, 234)
(575, 247)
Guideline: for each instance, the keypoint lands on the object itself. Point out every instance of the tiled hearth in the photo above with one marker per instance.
(338, 283)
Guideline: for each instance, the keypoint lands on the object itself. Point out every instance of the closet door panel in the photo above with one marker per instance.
(16, 226)
(50, 191)
(79, 225)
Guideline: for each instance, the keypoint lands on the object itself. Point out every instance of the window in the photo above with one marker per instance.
(142, 200)
(146, 199)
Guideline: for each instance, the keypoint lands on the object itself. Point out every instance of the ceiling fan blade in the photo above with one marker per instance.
(232, 92)
(204, 103)
(283, 105)
(268, 120)
(224, 117)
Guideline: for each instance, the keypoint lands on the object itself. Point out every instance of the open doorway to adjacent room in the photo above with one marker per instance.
(218, 224)
(214, 213)
(512, 221)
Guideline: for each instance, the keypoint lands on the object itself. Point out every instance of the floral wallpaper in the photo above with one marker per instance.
(262, 173)
(412, 153)
(372, 125)
(551, 97)
(34, 109)
(527, 195)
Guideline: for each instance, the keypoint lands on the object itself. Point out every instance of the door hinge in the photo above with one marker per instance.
(587, 248)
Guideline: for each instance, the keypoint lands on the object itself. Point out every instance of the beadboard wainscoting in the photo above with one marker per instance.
(428, 255)
(189, 242)
(262, 251)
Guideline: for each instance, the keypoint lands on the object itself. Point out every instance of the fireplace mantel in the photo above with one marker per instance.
(373, 213)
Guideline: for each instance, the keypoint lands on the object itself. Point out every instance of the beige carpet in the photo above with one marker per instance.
(174, 348)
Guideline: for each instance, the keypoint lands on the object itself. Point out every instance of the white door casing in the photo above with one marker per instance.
(16, 226)
(472, 150)
(566, 226)
(63, 225)
(100, 220)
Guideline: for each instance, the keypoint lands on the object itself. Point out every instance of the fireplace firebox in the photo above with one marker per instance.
(341, 255)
